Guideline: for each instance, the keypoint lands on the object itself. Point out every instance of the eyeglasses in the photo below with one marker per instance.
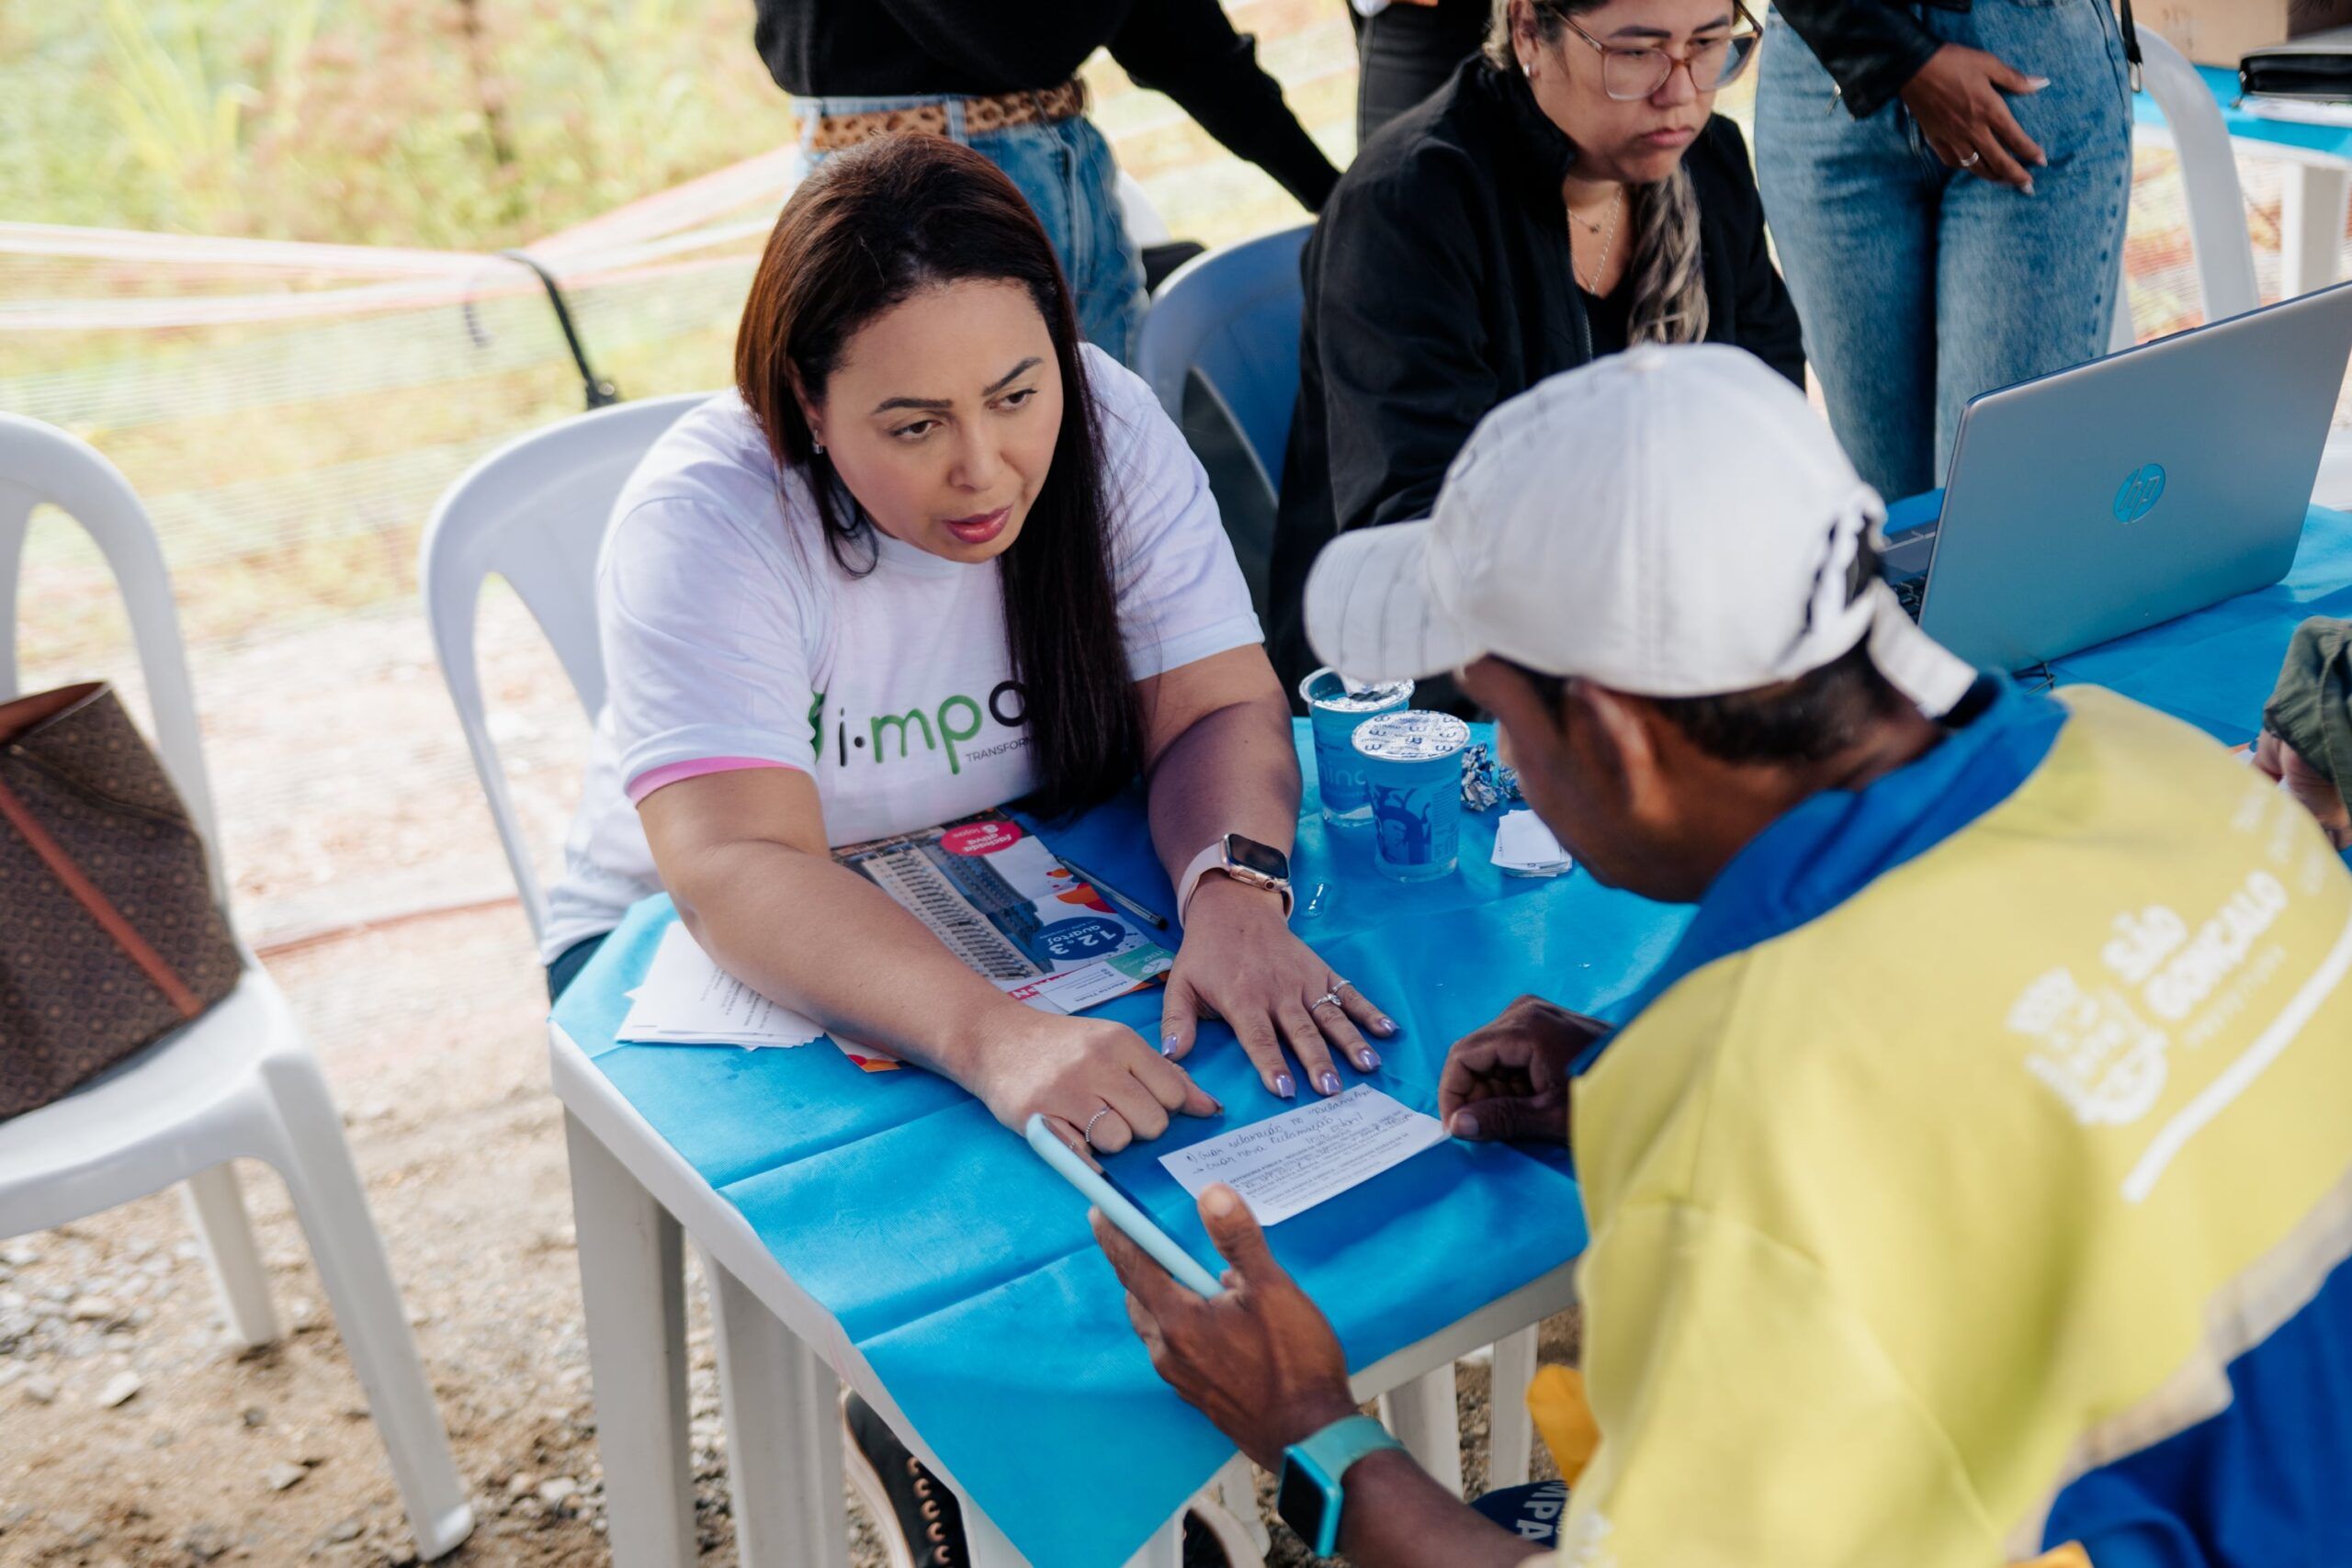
(1631, 74)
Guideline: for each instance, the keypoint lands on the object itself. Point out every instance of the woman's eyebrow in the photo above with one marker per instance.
(942, 405)
(1009, 376)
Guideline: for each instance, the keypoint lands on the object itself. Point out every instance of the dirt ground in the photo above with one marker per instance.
(432, 1033)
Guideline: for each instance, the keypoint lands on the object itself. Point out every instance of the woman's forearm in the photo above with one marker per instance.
(819, 938)
(1232, 771)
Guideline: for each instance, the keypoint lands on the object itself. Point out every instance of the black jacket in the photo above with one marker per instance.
(1185, 49)
(1871, 47)
(1439, 285)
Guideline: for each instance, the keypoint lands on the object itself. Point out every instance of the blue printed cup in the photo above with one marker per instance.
(1412, 779)
(1335, 712)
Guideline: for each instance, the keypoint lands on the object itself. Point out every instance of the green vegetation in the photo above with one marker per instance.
(468, 124)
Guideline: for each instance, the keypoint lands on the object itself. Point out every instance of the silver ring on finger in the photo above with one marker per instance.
(1327, 999)
(1089, 1133)
(1973, 159)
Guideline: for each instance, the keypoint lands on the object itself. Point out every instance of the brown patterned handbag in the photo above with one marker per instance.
(110, 938)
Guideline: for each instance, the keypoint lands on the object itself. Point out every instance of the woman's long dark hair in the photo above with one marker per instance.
(865, 232)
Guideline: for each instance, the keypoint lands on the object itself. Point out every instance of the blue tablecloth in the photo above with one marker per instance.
(2333, 141)
(962, 1268)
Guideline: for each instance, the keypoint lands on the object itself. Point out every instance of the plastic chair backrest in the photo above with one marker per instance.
(1233, 317)
(534, 513)
(2208, 171)
(39, 463)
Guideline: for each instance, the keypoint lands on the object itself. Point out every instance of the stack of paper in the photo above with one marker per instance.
(1524, 847)
(687, 999)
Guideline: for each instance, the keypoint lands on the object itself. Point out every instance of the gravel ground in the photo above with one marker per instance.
(130, 1435)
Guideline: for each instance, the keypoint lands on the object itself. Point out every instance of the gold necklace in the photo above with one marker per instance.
(1607, 244)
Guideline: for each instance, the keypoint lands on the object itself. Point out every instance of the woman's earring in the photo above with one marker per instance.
(816, 441)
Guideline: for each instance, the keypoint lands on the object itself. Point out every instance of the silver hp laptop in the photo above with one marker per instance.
(2100, 499)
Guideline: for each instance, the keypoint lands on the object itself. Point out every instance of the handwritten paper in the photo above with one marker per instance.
(687, 999)
(1290, 1162)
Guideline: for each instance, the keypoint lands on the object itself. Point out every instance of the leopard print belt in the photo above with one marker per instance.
(1001, 111)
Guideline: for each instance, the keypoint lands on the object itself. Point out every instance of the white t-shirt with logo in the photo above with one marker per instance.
(731, 631)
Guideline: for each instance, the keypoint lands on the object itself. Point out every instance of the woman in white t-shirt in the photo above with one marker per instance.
(934, 555)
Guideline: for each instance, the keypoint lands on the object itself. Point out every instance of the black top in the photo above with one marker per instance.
(1609, 317)
(1439, 284)
(1185, 49)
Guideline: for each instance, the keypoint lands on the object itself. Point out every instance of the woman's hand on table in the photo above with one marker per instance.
(1240, 962)
(1096, 1082)
(1260, 1361)
(1509, 1082)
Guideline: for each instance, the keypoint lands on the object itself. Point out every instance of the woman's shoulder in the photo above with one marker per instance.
(708, 493)
(714, 456)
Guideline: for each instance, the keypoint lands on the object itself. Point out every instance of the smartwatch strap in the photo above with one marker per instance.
(1209, 859)
(1328, 1455)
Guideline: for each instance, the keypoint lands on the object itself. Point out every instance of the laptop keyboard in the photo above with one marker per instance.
(1910, 592)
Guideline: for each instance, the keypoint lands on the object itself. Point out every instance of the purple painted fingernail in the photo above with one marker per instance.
(1168, 1047)
(1385, 1024)
(1328, 1081)
(1284, 1087)
(1368, 1059)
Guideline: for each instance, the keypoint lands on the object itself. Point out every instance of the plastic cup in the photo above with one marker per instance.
(1335, 714)
(1412, 776)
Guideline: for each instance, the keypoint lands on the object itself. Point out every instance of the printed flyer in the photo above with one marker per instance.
(1006, 906)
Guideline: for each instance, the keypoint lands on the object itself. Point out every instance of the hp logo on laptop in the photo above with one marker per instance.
(2140, 494)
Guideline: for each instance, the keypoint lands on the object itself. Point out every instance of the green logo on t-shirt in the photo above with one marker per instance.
(953, 723)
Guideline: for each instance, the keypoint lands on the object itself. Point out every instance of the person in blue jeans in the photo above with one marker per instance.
(1947, 185)
(1001, 78)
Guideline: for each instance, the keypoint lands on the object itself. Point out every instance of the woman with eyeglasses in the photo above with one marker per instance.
(1948, 183)
(1569, 194)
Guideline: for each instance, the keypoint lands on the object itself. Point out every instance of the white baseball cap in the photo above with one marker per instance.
(1666, 522)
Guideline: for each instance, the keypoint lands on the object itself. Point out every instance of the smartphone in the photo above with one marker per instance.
(1134, 1222)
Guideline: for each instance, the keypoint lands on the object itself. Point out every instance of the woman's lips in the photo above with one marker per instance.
(980, 529)
(1671, 136)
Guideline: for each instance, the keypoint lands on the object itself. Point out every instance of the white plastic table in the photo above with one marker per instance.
(2318, 185)
(635, 1199)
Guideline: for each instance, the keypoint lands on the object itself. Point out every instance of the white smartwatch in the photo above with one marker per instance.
(1245, 861)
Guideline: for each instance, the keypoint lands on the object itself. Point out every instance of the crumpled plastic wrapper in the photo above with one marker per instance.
(1486, 782)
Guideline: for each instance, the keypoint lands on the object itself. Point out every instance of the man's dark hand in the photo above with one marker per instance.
(1509, 1080)
(1957, 98)
(1260, 1361)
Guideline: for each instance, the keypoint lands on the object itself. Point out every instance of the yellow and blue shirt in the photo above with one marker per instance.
(1977, 1177)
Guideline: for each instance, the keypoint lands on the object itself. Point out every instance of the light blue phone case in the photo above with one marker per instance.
(1131, 1220)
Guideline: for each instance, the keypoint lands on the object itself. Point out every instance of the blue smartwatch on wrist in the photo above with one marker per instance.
(1314, 1472)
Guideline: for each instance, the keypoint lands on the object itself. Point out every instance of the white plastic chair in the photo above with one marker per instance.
(240, 1081)
(535, 512)
(2209, 170)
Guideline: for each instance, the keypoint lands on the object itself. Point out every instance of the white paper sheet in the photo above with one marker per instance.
(1524, 847)
(687, 999)
(1292, 1162)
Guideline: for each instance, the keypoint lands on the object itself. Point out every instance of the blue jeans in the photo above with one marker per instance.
(1919, 285)
(1066, 170)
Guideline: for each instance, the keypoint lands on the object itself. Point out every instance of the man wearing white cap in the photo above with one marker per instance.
(1974, 1181)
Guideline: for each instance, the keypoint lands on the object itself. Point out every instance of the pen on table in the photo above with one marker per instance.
(1158, 922)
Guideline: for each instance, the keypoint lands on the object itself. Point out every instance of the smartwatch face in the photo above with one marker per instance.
(1301, 1501)
(1251, 855)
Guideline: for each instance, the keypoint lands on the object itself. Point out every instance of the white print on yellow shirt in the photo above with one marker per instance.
(2095, 1050)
